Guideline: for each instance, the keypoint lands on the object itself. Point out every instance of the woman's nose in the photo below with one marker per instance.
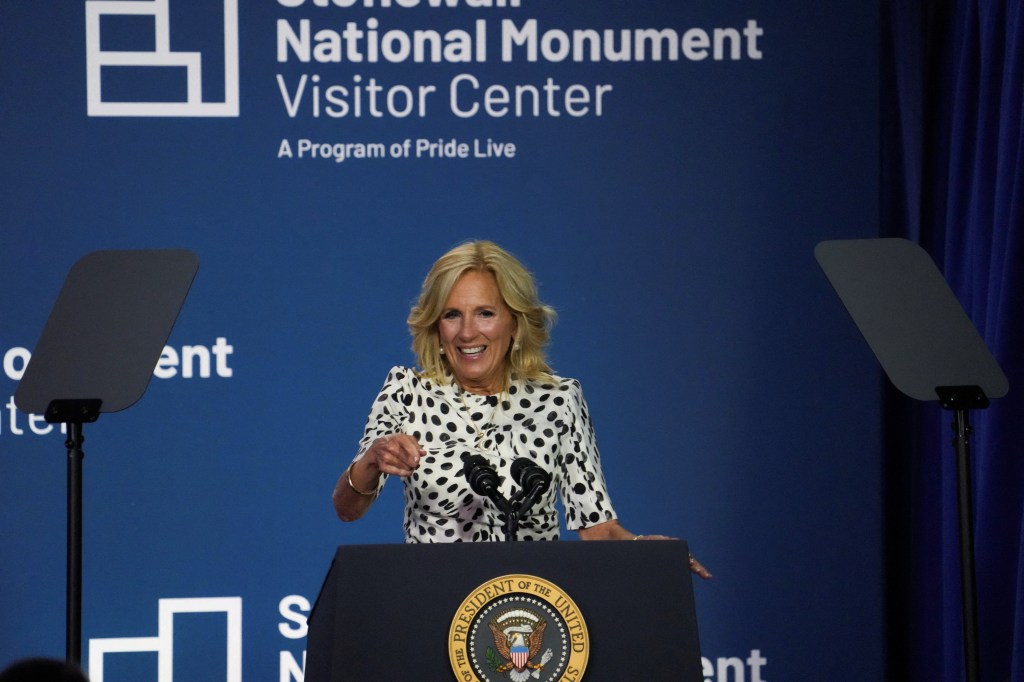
(467, 330)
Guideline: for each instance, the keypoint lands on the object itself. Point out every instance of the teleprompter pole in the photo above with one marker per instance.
(960, 399)
(73, 413)
(965, 501)
(73, 636)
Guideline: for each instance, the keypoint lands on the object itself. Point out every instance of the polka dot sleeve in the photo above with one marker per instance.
(388, 413)
(583, 488)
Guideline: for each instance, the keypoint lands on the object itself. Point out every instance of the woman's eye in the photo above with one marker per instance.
(487, 313)
(450, 315)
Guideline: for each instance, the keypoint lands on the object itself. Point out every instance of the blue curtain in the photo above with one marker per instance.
(953, 181)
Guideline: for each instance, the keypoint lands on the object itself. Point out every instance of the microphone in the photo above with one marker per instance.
(533, 480)
(482, 477)
(530, 477)
(484, 480)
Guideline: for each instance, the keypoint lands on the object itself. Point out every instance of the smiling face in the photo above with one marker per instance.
(476, 329)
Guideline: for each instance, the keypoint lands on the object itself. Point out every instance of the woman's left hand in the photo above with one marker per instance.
(698, 568)
(613, 530)
(695, 566)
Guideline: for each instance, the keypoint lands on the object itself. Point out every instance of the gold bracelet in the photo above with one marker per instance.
(357, 491)
(638, 537)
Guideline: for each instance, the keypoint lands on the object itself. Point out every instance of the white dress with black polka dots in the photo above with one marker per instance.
(548, 423)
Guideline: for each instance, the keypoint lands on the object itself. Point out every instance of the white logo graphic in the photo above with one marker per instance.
(160, 56)
(163, 643)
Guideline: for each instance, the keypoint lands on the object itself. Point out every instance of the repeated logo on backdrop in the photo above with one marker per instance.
(163, 643)
(121, 68)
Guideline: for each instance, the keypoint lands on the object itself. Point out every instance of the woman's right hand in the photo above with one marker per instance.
(397, 454)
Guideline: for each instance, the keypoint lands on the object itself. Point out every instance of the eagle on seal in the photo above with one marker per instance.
(518, 640)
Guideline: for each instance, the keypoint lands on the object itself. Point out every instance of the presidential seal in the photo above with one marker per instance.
(518, 628)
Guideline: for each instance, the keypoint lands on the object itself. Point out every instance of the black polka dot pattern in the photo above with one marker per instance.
(547, 423)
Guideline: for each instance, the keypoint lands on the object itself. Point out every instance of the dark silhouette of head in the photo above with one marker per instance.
(42, 670)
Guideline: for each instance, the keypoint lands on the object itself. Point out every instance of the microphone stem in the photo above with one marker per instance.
(531, 498)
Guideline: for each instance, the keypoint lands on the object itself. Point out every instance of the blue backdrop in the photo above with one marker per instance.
(673, 230)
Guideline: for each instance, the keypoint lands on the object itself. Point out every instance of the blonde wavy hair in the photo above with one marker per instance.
(525, 359)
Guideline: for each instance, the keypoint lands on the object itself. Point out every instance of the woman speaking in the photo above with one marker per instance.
(483, 390)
